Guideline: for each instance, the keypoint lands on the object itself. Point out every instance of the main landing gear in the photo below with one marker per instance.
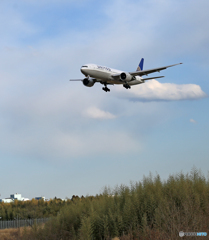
(105, 88)
(126, 86)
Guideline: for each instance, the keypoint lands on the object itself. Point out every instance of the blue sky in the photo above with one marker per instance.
(59, 138)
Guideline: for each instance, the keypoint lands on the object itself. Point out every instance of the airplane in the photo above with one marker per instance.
(109, 76)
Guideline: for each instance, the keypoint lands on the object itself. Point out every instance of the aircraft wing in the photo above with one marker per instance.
(76, 80)
(146, 72)
(83, 79)
(152, 78)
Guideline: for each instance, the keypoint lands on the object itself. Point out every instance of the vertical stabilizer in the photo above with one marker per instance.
(140, 67)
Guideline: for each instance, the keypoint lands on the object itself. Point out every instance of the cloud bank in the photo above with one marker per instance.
(156, 91)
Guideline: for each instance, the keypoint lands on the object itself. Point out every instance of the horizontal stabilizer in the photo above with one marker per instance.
(152, 78)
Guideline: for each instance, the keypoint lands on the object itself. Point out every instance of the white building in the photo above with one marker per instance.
(26, 199)
(6, 200)
(13, 197)
(16, 196)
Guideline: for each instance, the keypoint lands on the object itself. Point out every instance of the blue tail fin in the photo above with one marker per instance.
(140, 67)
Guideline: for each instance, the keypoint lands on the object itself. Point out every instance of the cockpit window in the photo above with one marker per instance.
(84, 66)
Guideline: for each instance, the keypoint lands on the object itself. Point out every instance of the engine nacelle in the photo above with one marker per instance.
(88, 82)
(125, 77)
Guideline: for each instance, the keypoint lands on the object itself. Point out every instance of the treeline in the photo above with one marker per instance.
(31, 209)
(150, 209)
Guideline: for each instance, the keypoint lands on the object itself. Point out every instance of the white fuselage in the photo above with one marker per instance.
(106, 74)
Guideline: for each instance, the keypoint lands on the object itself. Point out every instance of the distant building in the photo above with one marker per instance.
(6, 200)
(17, 196)
(40, 198)
(26, 199)
(13, 197)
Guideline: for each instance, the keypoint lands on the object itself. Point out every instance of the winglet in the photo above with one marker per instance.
(140, 67)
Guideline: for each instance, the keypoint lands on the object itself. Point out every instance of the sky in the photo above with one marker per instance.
(60, 138)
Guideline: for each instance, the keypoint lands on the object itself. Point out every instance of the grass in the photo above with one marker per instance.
(11, 233)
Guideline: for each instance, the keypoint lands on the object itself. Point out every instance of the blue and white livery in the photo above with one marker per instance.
(109, 76)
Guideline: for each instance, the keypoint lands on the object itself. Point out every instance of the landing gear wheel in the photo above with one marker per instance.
(106, 89)
(126, 86)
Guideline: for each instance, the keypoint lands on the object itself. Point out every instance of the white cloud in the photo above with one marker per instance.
(154, 90)
(192, 121)
(94, 112)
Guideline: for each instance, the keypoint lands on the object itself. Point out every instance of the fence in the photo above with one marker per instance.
(21, 222)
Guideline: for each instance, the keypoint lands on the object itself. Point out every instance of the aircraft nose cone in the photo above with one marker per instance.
(83, 70)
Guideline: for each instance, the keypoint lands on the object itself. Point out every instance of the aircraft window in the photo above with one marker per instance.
(84, 66)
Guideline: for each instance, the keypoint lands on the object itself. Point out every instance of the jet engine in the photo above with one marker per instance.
(125, 77)
(88, 82)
